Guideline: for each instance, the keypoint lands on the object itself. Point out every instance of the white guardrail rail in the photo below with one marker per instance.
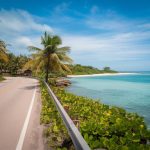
(77, 139)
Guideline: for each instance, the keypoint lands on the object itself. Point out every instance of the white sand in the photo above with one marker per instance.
(102, 74)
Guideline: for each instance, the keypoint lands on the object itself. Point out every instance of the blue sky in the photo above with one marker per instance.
(113, 33)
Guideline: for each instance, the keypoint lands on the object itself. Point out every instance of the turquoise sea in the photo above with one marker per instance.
(131, 92)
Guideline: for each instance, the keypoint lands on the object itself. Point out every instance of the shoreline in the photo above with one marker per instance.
(101, 74)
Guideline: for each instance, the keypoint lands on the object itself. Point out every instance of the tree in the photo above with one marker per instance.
(3, 51)
(3, 54)
(106, 68)
(50, 57)
(14, 65)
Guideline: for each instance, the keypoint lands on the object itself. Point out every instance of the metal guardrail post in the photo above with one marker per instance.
(77, 139)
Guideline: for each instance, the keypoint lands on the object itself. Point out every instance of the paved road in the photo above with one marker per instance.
(19, 114)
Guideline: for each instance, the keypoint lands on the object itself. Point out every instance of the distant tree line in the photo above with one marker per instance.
(81, 70)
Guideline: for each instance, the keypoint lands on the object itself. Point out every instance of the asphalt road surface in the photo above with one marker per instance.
(20, 106)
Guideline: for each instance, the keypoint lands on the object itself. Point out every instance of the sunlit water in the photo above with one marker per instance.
(131, 92)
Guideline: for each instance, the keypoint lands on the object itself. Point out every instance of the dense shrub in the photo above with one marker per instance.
(104, 126)
(1, 78)
(55, 131)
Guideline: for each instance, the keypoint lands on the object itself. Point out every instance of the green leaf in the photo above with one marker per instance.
(55, 129)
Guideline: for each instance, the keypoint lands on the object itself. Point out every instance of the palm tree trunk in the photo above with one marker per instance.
(47, 69)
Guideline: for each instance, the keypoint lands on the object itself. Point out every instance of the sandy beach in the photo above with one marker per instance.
(104, 74)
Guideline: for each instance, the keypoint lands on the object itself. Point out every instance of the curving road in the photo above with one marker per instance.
(19, 114)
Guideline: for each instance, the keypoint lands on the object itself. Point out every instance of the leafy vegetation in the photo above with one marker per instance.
(82, 70)
(14, 65)
(51, 57)
(9, 63)
(55, 131)
(3, 51)
(3, 55)
(1, 78)
(103, 126)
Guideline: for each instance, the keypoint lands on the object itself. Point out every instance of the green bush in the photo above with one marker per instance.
(55, 131)
(1, 78)
(104, 126)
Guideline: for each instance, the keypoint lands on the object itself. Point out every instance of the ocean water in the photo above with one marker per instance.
(131, 92)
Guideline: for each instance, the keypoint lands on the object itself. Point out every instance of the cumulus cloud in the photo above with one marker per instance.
(21, 29)
(112, 50)
(20, 20)
(106, 42)
(20, 44)
(108, 21)
(22, 40)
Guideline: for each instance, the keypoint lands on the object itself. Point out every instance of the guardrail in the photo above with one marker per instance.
(77, 139)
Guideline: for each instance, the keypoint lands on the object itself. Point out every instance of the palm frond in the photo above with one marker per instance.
(56, 40)
(65, 49)
(46, 39)
(28, 65)
(3, 56)
(66, 68)
(48, 47)
(54, 57)
(55, 64)
(3, 51)
(40, 67)
(64, 58)
(33, 48)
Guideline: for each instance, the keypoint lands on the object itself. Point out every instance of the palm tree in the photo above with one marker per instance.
(50, 57)
(3, 55)
(3, 51)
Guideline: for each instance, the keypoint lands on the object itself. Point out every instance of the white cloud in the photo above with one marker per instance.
(105, 42)
(22, 40)
(20, 20)
(106, 24)
(21, 29)
(109, 22)
(108, 48)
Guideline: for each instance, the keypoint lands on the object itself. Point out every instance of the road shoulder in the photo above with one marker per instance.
(34, 137)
